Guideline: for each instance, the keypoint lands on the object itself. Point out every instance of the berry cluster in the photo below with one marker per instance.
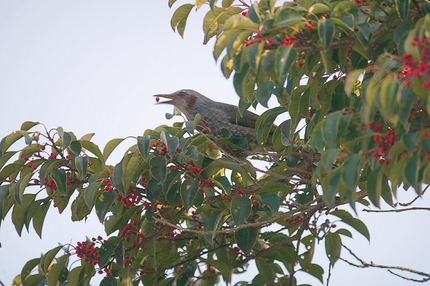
(417, 69)
(294, 219)
(384, 140)
(132, 232)
(88, 251)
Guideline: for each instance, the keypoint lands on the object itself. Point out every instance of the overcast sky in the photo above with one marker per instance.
(93, 66)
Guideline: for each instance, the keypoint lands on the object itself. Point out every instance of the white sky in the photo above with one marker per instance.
(93, 66)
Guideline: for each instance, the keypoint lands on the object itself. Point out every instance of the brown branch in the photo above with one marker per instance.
(397, 210)
(416, 198)
(371, 264)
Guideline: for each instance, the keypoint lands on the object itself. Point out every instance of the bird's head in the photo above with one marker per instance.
(184, 100)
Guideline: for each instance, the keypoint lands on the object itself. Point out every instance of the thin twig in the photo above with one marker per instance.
(397, 210)
(371, 264)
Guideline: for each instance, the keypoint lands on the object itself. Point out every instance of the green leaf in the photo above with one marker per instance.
(412, 172)
(240, 209)
(90, 193)
(104, 203)
(239, 22)
(28, 267)
(179, 18)
(350, 172)
(65, 136)
(75, 276)
(154, 190)
(402, 7)
(117, 176)
(330, 128)
(351, 80)
(59, 177)
(189, 192)
(224, 184)
(82, 166)
(93, 148)
(246, 238)
(285, 57)
(34, 280)
(28, 125)
(264, 123)
(315, 270)
(158, 168)
(374, 185)
(171, 2)
(172, 143)
(46, 168)
(325, 32)
(271, 200)
(329, 158)
(39, 216)
(213, 223)
(319, 8)
(20, 187)
(333, 245)
(110, 146)
(254, 56)
(410, 140)
(47, 259)
(55, 273)
(265, 92)
(344, 9)
(108, 281)
(76, 147)
(143, 143)
(215, 18)
(287, 17)
(357, 224)
(331, 186)
(4, 193)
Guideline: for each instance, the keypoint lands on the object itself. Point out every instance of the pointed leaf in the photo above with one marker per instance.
(110, 146)
(59, 177)
(325, 32)
(48, 257)
(179, 18)
(350, 172)
(158, 168)
(285, 57)
(240, 209)
(246, 238)
(333, 245)
(82, 166)
(271, 200)
(189, 191)
(287, 17)
(143, 143)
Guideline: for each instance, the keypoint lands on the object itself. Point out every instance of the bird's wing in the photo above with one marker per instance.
(247, 120)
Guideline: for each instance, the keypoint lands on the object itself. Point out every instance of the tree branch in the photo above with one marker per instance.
(371, 264)
(397, 211)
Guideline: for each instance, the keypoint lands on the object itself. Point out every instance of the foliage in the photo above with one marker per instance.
(353, 76)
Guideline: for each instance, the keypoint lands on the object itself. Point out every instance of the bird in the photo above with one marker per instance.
(217, 116)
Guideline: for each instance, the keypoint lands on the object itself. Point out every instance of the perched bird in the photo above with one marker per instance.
(216, 116)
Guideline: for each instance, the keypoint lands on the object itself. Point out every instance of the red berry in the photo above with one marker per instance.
(310, 27)
(157, 99)
(228, 200)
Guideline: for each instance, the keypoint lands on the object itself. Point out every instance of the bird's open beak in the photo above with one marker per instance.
(157, 98)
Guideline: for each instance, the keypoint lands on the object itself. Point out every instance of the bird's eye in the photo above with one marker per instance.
(181, 93)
